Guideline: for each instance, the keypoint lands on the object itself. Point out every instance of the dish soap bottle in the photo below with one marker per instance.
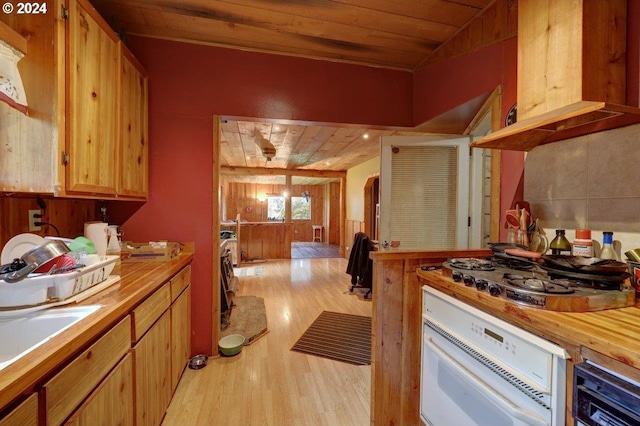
(560, 244)
(607, 251)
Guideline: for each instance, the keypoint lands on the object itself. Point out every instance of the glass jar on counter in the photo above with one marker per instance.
(560, 244)
(583, 244)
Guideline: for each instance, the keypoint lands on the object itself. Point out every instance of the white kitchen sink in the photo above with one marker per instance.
(22, 334)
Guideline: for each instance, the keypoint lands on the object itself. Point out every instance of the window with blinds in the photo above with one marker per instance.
(424, 196)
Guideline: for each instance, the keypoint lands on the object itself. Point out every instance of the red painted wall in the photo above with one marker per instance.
(197, 80)
(180, 203)
(445, 85)
(440, 87)
(190, 83)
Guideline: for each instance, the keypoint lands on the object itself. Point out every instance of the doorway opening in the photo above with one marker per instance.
(372, 206)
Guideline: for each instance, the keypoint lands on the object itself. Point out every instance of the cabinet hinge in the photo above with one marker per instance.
(468, 220)
(65, 158)
(64, 12)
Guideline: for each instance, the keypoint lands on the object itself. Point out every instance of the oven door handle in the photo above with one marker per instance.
(502, 403)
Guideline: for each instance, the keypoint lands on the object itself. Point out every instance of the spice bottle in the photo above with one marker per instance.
(560, 244)
(583, 244)
(607, 251)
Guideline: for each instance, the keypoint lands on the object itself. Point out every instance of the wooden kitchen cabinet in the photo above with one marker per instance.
(67, 389)
(152, 372)
(180, 324)
(180, 335)
(93, 119)
(120, 364)
(25, 414)
(112, 402)
(87, 98)
(134, 148)
(145, 315)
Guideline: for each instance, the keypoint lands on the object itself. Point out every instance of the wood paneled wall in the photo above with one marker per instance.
(266, 240)
(497, 23)
(67, 215)
(350, 229)
(332, 227)
(242, 198)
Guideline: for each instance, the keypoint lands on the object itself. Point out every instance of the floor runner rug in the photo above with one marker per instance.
(248, 317)
(342, 337)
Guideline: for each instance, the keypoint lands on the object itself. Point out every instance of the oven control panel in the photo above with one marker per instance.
(526, 354)
(494, 338)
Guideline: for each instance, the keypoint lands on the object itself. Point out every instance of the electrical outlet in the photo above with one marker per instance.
(33, 220)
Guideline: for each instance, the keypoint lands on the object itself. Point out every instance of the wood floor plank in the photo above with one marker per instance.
(308, 250)
(267, 383)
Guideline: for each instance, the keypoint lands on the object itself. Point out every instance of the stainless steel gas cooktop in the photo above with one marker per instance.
(529, 284)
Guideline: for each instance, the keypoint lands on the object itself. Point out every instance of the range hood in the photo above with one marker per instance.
(571, 73)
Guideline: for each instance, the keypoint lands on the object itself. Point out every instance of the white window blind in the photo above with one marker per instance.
(423, 196)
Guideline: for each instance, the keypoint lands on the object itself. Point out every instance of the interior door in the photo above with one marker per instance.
(424, 191)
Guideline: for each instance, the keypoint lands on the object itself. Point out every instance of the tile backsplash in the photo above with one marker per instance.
(588, 182)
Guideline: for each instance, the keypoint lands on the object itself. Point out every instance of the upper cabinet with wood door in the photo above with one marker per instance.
(85, 134)
(93, 82)
(134, 149)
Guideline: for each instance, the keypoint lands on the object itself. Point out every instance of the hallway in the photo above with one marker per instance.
(267, 383)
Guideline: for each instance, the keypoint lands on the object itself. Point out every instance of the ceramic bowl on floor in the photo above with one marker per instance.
(231, 345)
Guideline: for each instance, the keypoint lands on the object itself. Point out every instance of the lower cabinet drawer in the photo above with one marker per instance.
(112, 402)
(25, 414)
(67, 389)
(179, 282)
(150, 310)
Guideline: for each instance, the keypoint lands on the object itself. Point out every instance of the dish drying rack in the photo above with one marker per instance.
(56, 289)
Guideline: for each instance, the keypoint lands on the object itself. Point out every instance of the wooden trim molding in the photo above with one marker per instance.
(368, 204)
(496, 170)
(12, 37)
(215, 239)
(256, 171)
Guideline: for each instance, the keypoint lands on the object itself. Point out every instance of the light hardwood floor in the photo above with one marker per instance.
(307, 250)
(267, 383)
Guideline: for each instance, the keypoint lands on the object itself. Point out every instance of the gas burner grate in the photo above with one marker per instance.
(511, 263)
(472, 264)
(582, 283)
(537, 284)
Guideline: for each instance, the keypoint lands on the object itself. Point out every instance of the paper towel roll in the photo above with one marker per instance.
(97, 233)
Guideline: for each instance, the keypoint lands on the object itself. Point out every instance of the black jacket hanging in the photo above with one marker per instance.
(360, 266)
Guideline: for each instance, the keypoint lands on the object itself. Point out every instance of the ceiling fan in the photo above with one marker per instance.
(268, 150)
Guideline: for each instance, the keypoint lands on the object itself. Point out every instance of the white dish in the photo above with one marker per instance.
(19, 245)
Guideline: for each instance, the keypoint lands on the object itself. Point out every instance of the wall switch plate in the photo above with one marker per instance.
(33, 220)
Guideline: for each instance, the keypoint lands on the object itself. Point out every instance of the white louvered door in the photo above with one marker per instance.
(424, 191)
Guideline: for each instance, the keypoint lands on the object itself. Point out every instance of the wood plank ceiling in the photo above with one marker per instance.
(396, 34)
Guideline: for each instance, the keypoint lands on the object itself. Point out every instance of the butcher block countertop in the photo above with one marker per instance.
(138, 281)
(612, 332)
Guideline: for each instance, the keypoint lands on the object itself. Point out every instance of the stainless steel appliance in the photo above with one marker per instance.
(480, 370)
(604, 397)
(534, 285)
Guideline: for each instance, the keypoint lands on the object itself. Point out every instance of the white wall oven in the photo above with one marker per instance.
(480, 370)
